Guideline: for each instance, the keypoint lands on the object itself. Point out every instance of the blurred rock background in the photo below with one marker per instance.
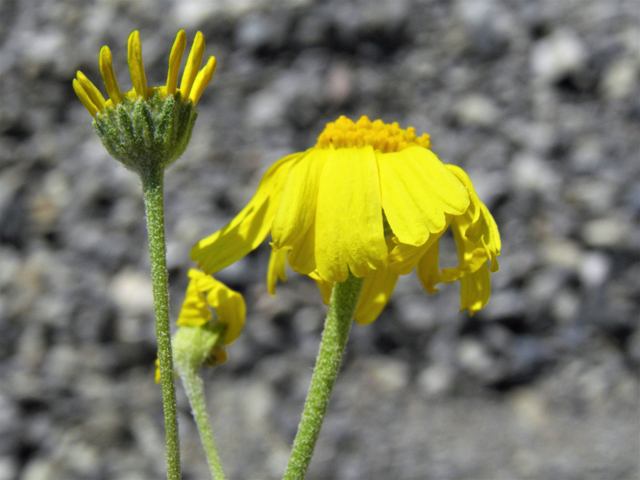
(537, 99)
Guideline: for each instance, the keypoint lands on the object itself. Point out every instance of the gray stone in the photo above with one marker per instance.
(620, 81)
(558, 55)
(474, 358)
(477, 111)
(436, 380)
(566, 306)
(529, 171)
(607, 232)
(8, 468)
(132, 292)
(595, 269)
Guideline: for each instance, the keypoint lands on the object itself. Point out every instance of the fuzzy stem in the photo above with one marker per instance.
(194, 387)
(152, 186)
(344, 300)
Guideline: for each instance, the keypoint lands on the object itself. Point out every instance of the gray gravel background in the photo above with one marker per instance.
(537, 100)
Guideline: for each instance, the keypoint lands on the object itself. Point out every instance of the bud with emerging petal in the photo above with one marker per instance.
(202, 337)
(147, 127)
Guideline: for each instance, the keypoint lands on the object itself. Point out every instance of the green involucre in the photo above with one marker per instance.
(192, 346)
(147, 134)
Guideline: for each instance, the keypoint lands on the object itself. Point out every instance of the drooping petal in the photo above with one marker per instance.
(471, 254)
(194, 311)
(470, 261)
(202, 80)
(466, 181)
(277, 268)
(376, 292)
(417, 193)
(175, 58)
(325, 287)
(475, 290)
(249, 228)
(230, 308)
(192, 66)
(349, 229)
(473, 268)
(136, 67)
(297, 208)
(429, 268)
(404, 258)
(481, 228)
(493, 244)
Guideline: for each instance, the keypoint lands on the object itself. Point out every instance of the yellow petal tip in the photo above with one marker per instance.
(136, 67)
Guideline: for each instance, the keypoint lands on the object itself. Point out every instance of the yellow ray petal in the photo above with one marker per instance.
(349, 230)
(194, 311)
(470, 261)
(94, 94)
(175, 58)
(492, 239)
(302, 257)
(84, 98)
(466, 181)
(202, 80)
(475, 290)
(404, 258)
(249, 228)
(277, 268)
(297, 208)
(417, 192)
(192, 66)
(136, 67)
(477, 225)
(471, 254)
(109, 76)
(376, 292)
(326, 288)
(230, 309)
(429, 268)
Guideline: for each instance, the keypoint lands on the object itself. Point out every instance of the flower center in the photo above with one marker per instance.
(344, 133)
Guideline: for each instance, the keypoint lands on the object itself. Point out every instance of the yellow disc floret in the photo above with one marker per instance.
(344, 133)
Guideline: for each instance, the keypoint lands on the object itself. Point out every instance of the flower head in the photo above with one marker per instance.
(201, 338)
(147, 122)
(371, 199)
(205, 293)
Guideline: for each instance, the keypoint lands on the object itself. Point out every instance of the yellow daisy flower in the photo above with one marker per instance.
(371, 199)
(191, 87)
(205, 293)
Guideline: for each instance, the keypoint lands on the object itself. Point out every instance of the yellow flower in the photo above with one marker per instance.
(205, 293)
(202, 344)
(370, 199)
(191, 87)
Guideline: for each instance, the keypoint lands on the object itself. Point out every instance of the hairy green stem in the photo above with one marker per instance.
(152, 186)
(344, 300)
(194, 387)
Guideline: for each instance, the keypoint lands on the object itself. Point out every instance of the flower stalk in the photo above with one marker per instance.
(152, 186)
(344, 300)
(194, 386)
